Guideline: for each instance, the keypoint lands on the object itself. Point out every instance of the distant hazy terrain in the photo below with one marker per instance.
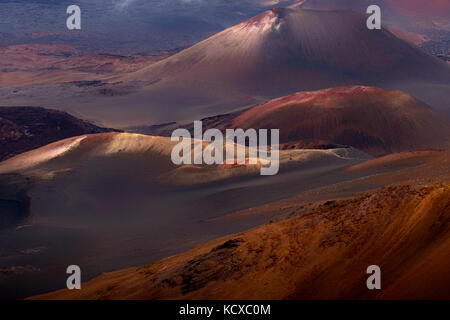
(124, 26)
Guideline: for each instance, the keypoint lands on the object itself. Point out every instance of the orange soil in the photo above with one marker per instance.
(322, 254)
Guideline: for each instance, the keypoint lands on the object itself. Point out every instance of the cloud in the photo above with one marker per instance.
(122, 4)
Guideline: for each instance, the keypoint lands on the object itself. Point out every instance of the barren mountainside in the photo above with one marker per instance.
(293, 48)
(279, 52)
(26, 128)
(371, 119)
(322, 254)
(374, 120)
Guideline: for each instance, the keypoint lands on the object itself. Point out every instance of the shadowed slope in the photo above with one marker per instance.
(392, 9)
(26, 128)
(152, 154)
(322, 254)
(116, 200)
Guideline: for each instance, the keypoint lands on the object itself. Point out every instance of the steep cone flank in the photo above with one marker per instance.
(390, 8)
(285, 49)
(371, 119)
(354, 5)
(322, 254)
(398, 9)
(374, 120)
(430, 8)
(276, 53)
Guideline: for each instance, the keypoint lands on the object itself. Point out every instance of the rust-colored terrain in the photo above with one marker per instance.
(371, 119)
(28, 64)
(321, 254)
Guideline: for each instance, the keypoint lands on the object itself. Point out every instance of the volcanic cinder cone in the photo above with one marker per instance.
(371, 119)
(279, 52)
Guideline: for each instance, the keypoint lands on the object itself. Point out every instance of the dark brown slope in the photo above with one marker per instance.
(322, 254)
(371, 119)
(26, 128)
(422, 22)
